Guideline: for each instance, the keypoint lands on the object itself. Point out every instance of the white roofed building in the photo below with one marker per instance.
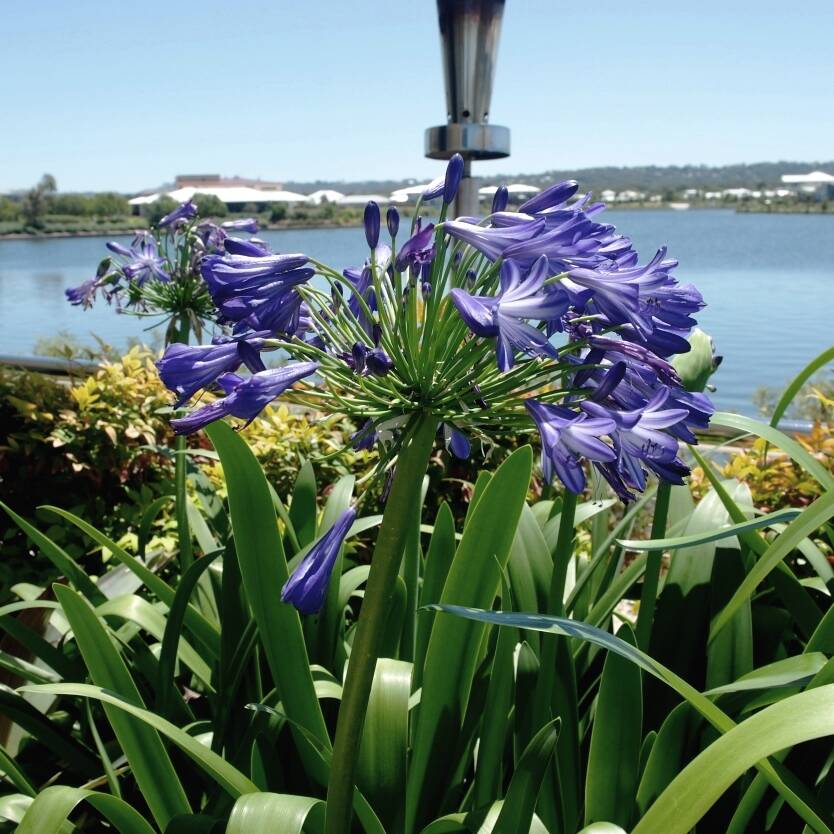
(817, 184)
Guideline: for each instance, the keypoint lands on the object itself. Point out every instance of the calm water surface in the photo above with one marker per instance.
(768, 281)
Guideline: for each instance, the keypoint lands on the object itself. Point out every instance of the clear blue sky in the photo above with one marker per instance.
(124, 95)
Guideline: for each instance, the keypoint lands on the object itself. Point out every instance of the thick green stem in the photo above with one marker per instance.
(651, 579)
(180, 470)
(402, 503)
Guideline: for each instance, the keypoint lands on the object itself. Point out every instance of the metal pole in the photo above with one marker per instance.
(469, 34)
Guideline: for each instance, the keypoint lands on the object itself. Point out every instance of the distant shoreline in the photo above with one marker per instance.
(751, 208)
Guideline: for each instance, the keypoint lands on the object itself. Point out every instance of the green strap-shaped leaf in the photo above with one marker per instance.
(10, 770)
(275, 813)
(452, 653)
(582, 631)
(675, 542)
(520, 802)
(698, 786)
(134, 609)
(303, 512)
(789, 446)
(263, 568)
(171, 639)
(792, 671)
(49, 812)
(148, 759)
(811, 518)
(380, 771)
(611, 778)
(59, 557)
(228, 777)
(798, 381)
(206, 632)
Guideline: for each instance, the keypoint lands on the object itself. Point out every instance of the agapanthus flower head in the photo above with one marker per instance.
(543, 318)
(84, 294)
(307, 587)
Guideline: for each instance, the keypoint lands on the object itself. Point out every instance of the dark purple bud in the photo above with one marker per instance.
(378, 362)
(454, 171)
(365, 439)
(372, 224)
(613, 377)
(250, 356)
(358, 355)
(500, 198)
(392, 218)
(471, 277)
(426, 287)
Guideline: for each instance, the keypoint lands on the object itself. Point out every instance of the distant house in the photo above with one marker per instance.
(325, 195)
(235, 192)
(817, 184)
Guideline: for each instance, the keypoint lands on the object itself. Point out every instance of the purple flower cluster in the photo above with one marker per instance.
(561, 270)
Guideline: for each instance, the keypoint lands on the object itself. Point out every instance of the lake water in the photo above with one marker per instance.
(768, 281)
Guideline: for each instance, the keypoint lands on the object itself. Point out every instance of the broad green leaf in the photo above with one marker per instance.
(263, 568)
(137, 610)
(380, 771)
(303, 511)
(479, 821)
(50, 810)
(59, 557)
(228, 777)
(275, 813)
(451, 658)
(802, 717)
(792, 671)
(582, 631)
(811, 518)
(173, 627)
(437, 561)
(202, 629)
(148, 759)
(712, 536)
(519, 804)
(616, 734)
(10, 770)
(669, 753)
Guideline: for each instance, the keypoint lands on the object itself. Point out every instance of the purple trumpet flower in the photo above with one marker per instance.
(392, 220)
(493, 241)
(567, 438)
(245, 398)
(184, 211)
(640, 439)
(253, 248)
(143, 259)
(500, 199)
(372, 224)
(521, 297)
(245, 224)
(257, 291)
(417, 250)
(84, 294)
(185, 369)
(307, 587)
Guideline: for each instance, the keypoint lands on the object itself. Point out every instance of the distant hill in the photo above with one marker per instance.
(649, 178)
